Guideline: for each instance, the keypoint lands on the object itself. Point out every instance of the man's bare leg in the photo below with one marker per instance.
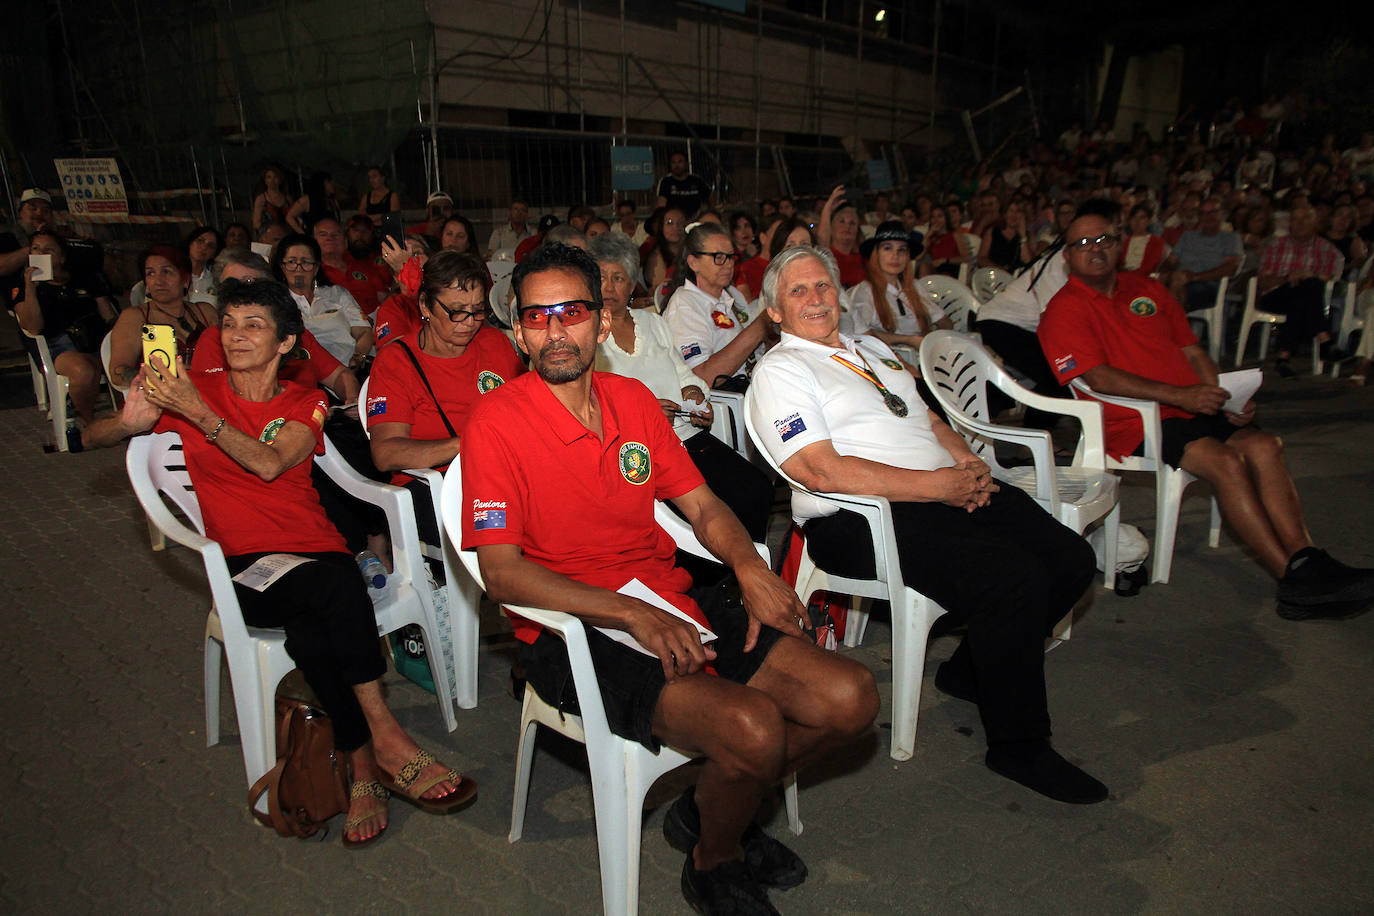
(1226, 470)
(1263, 454)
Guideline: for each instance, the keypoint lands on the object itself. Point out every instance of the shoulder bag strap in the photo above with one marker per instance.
(420, 372)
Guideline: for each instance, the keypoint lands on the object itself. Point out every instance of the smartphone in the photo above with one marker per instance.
(856, 197)
(394, 228)
(160, 340)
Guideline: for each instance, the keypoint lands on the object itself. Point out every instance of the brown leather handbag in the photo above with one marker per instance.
(309, 784)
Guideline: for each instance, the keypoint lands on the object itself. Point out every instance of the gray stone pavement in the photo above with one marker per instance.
(1236, 744)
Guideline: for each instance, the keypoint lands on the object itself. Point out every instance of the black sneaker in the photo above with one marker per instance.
(769, 862)
(726, 890)
(1317, 585)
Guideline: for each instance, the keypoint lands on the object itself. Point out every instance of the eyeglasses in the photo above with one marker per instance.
(1102, 241)
(719, 258)
(298, 263)
(460, 316)
(574, 311)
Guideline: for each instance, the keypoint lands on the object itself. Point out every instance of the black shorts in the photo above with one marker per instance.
(1177, 432)
(631, 681)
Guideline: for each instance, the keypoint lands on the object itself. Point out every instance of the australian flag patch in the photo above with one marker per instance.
(690, 350)
(790, 427)
(376, 406)
(1065, 364)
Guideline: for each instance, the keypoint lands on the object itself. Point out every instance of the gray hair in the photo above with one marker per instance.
(252, 260)
(618, 249)
(566, 235)
(773, 275)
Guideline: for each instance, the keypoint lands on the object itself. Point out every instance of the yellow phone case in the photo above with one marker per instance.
(161, 340)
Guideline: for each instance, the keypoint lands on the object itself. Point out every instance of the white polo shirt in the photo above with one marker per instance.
(866, 313)
(702, 325)
(1020, 303)
(655, 362)
(331, 318)
(800, 394)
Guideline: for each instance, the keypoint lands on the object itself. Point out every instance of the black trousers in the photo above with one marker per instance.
(331, 633)
(1008, 570)
(1304, 304)
(1020, 349)
(747, 490)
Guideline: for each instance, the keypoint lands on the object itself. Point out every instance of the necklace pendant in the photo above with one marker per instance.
(895, 404)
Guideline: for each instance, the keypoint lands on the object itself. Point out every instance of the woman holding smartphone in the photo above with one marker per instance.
(72, 314)
(249, 441)
(166, 277)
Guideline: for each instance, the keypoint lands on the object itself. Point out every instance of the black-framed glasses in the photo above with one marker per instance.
(298, 263)
(1102, 241)
(460, 316)
(719, 258)
(573, 311)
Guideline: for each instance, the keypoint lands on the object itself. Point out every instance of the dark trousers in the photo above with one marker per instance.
(1304, 304)
(747, 490)
(1200, 294)
(331, 633)
(1007, 570)
(1020, 349)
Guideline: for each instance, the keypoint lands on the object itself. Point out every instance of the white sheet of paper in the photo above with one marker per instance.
(44, 264)
(261, 248)
(268, 570)
(693, 407)
(1242, 384)
(636, 589)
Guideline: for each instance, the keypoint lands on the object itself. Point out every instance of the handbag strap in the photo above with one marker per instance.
(420, 372)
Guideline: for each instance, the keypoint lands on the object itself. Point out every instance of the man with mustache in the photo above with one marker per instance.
(562, 467)
(1125, 335)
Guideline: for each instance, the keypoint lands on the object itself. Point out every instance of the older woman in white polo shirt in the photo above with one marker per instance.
(712, 325)
(641, 347)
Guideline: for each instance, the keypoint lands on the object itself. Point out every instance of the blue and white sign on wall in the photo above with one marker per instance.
(632, 168)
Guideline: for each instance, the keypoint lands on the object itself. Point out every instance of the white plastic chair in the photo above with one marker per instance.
(257, 657)
(499, 297)
(957, 300)
(499, 255)
(464, 597)
(1215, 317)
(1170, 482)
(959, 371)
(54, 390)
(913, 614)
(1253, 315)
(1352, 319)
(622, 771)
(105, 349)
(728, 422)
(988, 282)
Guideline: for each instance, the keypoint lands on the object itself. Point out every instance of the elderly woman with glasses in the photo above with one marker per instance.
(424, 385)
(330, 311)
(641, 347)
(712, 325)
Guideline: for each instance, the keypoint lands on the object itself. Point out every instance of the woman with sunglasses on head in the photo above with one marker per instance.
(330, 312)
(712, 326)
(424, 385)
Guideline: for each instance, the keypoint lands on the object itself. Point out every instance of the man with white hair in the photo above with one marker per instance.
(841, 414)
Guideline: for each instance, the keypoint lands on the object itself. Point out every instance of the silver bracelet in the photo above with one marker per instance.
(211, 437)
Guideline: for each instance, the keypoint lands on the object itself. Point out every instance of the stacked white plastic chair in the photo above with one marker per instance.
(957, 300)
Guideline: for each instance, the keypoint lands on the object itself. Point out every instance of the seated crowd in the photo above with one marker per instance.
(618, 331)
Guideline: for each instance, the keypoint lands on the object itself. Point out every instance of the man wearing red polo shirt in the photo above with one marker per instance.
(561, 468)
(365, 280)
(1125, 335)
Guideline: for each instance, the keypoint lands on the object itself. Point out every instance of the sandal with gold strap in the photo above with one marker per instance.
(364, 788)
(407, 785)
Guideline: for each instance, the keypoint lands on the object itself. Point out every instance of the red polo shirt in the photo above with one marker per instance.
(367, 281)
(243, 512)
(397, 317)
(583, 507)
(852, 269)
(395, 393)
(309, 364)
(1141, 329)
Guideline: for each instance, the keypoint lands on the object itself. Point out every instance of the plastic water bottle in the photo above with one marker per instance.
(371, 567)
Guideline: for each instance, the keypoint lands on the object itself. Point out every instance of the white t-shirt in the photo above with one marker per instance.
(639, 236)
(703, 325)
(866, 313)
(1020, 303)
(800, 395)
(203, 287)
(331, 318)
(655, 362)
